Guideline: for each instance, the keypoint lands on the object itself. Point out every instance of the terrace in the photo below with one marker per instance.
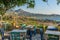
(12, 28)
(36, 32)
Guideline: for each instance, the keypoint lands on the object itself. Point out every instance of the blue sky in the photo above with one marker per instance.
(41, 7)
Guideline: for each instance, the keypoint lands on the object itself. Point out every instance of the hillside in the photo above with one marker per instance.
(22, 12)
(38, 16)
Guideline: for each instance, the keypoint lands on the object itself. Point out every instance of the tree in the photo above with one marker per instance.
(8, 4)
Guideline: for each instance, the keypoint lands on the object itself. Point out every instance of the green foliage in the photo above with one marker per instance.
(58, 1)
(8, 27)
(8, 4)
(1, 13)
(40, 26)
(45, 0)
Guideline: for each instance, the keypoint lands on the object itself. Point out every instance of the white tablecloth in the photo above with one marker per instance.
(16, 30)
(52, 32)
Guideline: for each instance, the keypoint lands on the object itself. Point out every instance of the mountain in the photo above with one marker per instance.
(38, 16)
(22, 12)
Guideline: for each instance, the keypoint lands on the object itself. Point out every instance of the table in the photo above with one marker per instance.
(18, 34)
(51, 32)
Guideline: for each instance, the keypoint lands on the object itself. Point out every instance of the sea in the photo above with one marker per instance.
(55, 18)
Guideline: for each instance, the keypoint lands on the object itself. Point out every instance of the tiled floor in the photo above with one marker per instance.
(36, 37)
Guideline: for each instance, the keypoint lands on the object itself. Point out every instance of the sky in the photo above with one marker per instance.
(41, 7)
